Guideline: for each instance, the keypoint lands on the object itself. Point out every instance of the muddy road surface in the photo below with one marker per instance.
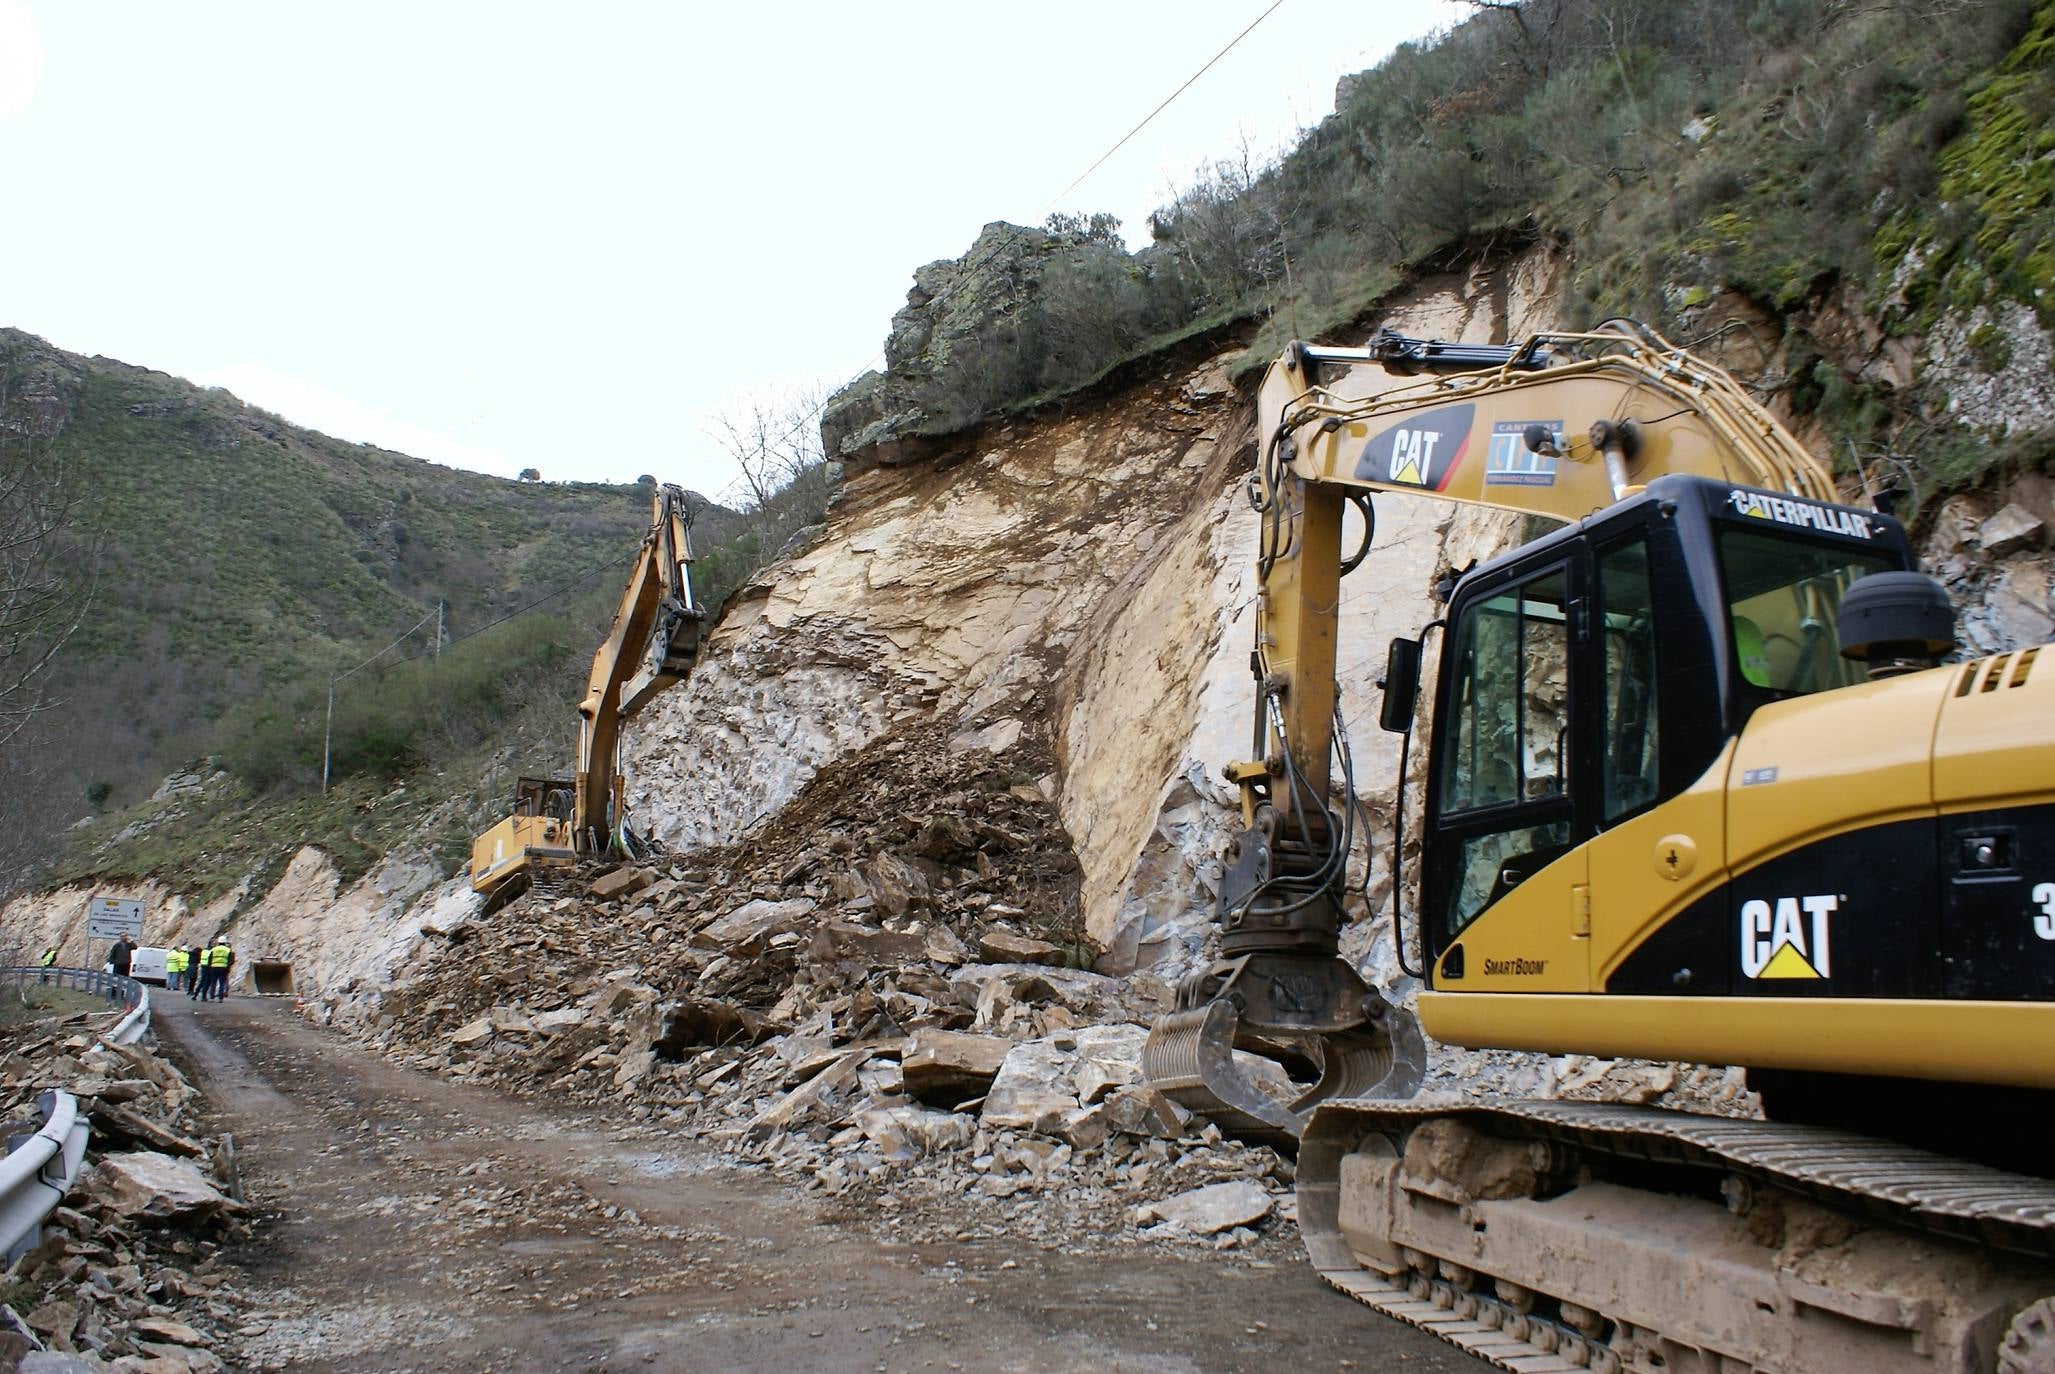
(411, 1224)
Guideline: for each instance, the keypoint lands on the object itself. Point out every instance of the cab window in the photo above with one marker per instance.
(1783, 594)
(1628, 737)
(1503, 788)
(1512, 699)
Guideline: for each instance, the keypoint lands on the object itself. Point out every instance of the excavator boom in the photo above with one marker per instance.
(650, 647)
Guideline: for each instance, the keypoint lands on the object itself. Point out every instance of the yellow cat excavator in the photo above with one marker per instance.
(1697, 788)
(654, 639)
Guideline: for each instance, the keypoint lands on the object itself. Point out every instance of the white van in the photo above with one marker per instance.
(146, 965)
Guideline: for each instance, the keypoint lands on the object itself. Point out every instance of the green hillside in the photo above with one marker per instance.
(223, 565)
(231, 555)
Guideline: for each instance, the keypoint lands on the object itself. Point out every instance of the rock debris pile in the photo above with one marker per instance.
(129, 1273)
(878, 994)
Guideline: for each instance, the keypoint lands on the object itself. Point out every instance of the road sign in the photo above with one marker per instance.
(110, 918)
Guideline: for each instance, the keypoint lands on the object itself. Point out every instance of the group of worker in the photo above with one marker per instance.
(201, 971)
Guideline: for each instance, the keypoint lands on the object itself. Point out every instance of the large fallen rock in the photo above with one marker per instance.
(1215, 1207)
(749, 927)
(869, 946)
(903, 1133)
(1005, 947)
(621, 882)
(1036, 1087)
(147, 1186)
(949, 1067)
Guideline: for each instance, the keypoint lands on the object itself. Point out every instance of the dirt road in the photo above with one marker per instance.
(413, 1224)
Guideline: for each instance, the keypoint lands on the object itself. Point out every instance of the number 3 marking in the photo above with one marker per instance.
(2044, 924)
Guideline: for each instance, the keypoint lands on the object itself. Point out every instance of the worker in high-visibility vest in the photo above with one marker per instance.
(49, 961)
(219, 956)
(174, 969)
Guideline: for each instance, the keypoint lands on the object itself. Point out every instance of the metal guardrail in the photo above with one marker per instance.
(39, 1169)
(41, 1166)
(18, 978)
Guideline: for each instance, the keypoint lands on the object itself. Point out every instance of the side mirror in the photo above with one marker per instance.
(1401, 685)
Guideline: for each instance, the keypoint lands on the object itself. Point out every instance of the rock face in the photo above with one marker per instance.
(335, 935)
(952, 303)
(1075, 597)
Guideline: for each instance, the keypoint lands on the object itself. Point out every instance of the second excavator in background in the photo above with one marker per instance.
(1698, 788)
(650, 647)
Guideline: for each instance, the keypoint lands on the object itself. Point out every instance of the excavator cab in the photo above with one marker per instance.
(1594, 677)
(536, 836)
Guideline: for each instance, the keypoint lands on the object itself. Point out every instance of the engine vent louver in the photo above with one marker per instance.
(1988, 674)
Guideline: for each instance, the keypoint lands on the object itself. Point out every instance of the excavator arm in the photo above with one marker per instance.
(1562, 425)
(654, 638)
(650, 647)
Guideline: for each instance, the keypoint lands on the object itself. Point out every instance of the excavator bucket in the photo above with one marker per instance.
(1204, 1060)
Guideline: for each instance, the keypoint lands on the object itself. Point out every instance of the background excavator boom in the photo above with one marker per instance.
(650, 647)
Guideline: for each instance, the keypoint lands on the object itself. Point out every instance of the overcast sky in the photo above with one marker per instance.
(505, 235)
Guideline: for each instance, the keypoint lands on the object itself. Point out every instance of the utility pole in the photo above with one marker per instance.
(327, 736)
(438, 631)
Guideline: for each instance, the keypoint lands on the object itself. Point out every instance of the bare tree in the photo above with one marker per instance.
(44, 592)
(774, 438)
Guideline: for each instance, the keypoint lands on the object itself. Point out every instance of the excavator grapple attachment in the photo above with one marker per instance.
(1189, 1058)
(1207, 1061)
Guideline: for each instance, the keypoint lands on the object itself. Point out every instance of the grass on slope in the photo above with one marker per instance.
(237, 554)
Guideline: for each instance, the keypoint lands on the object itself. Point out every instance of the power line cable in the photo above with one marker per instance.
(1210, 62)
(406, 635)
(328, 724)
(582, 578)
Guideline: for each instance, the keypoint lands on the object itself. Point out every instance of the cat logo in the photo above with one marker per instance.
(1776, 942)
(1422, 452)
(1409, 449)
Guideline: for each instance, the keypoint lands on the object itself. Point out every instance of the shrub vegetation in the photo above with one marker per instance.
(1784, 150)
